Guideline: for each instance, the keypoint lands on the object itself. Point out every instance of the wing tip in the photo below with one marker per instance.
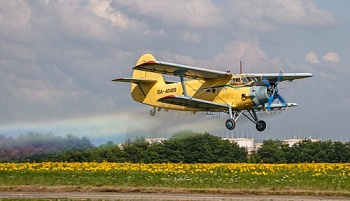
(118, 80)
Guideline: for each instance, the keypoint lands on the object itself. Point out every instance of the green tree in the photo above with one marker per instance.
(203, 148)
(137, 150)
(110, 152)
(271, 152)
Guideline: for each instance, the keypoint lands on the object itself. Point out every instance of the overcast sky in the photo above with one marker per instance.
(57, 60)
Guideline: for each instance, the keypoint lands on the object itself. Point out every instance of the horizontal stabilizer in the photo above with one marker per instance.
(135, 80)
(194, 103)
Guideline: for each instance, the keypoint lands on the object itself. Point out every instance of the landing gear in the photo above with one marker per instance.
(230, 124)
(261, 125)
(153, 112)
(235, 114)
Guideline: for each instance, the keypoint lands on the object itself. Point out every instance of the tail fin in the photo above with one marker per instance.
(143, 74)
(140, 90)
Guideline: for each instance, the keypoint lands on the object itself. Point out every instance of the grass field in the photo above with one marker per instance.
(331, 179)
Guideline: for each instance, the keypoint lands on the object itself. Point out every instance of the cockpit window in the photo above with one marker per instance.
(244, 80)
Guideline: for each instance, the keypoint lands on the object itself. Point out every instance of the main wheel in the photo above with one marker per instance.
(230, 124)
(261, 125)
(152, 112)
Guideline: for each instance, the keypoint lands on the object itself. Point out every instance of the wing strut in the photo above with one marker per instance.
(181, 74)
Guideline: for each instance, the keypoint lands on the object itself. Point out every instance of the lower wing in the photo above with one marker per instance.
(204, 105)
(194, 103)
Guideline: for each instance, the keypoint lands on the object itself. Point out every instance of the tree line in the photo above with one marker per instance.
(185, 147)
(306, 151)
(37, 146)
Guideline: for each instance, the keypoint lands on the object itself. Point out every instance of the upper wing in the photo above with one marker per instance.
(177, 69)
(194, 103)
(135, 80)
(285, 76)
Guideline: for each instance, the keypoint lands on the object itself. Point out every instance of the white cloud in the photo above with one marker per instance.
(45, 2)
(252, 56)
(15, 18)
(105, 11)
(326, 67)
(192, 37)
(255, 14)
(191, 13)
(331, 56)
(267, 15)
(312, 58)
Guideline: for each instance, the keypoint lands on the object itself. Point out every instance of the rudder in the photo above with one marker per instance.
(135, 89)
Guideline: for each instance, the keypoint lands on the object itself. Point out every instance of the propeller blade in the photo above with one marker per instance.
(274, 93)
(269, 102)
(266, 81)
(281, 99)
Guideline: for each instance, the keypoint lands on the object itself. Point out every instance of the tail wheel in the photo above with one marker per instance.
(152, 112)
(230, 124)
(261, 125)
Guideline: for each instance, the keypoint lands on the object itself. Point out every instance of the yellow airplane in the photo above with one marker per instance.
(201, 89)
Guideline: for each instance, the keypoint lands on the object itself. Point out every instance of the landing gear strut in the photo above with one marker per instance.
(260, 125)
(234, 115)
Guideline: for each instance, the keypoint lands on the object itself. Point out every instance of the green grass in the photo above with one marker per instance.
(186, 180)
(289, 179)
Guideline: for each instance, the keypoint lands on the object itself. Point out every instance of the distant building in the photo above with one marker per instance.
(155, 140)
(257, 145)
(293, 141)
(247, 143)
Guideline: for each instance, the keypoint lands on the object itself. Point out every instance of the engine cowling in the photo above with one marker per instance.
(259, 94)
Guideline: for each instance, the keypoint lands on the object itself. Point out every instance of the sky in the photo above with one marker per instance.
(57, 60)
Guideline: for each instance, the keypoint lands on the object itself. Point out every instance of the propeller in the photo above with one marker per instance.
(274, 91)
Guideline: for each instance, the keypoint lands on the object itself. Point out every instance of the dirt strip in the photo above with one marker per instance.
(258, 192)
(155, 196)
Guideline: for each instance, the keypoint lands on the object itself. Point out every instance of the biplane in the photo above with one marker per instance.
(206, 90)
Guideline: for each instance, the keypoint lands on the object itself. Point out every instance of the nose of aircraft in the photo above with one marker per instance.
(260, 94)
